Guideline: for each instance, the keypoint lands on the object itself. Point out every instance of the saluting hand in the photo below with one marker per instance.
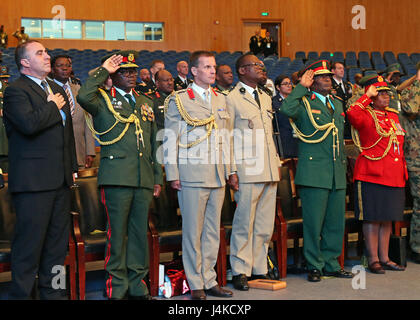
(372, 92)
(112, 64)
(307, 79)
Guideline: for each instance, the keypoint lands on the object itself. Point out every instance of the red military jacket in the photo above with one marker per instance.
(390, 170)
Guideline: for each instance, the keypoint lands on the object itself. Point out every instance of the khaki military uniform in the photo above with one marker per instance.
(197, 162)
(257, 165)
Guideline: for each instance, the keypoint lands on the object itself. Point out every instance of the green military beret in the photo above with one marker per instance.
(4, 72)
(129, 58)
(395, 67)
(374, 80)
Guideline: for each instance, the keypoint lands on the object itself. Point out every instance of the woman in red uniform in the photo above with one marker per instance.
(380, 171)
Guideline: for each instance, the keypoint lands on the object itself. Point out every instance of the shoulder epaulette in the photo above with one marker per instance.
(166, 102)
(392, 110)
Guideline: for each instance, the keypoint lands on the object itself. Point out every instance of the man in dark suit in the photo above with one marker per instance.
(42, 159)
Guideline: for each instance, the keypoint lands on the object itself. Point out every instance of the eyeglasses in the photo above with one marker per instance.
(255, 64)
(286, 84)
(126, 72)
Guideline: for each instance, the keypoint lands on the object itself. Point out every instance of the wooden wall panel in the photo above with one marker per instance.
(310, 25)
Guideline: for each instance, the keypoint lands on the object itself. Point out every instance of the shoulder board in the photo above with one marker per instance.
(336, 97)
(179, 91)
(392, 110)
(166, 102)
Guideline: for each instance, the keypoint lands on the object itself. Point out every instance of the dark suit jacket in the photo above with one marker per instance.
(41, 150)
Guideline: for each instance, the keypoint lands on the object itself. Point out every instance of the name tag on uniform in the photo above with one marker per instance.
(316, 111)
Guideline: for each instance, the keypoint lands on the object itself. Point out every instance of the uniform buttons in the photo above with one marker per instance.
(135, 111)
(386, 119)
(111, 157)
(310, 158)
(396, 159)
(140, 154)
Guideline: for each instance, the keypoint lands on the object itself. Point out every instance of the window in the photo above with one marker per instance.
(51, 29)
(72, 29)
(114, 30)
(32, 27)
(134, 31)
(92, 30)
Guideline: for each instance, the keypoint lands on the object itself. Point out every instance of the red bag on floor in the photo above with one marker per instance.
(175, 283)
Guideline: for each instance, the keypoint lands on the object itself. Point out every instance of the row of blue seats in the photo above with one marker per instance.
(84, 60)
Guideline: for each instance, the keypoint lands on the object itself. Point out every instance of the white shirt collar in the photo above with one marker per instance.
(248, 88)
(183, 79)
(62, 84)
(199, 89)
(123, 93)
(36, 80)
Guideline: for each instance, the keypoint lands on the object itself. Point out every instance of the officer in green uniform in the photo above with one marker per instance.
(164, 86)
(392, 74)
(224, 79)
(4, 148)
(129, 174)
(318, 120)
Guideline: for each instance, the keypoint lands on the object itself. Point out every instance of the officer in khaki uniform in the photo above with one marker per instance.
(195, 134)
(4, 148)
(321, 171)
(129, 174)
(254, 175)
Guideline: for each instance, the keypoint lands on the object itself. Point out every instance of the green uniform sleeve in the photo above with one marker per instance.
(89, 96)
(292, 106)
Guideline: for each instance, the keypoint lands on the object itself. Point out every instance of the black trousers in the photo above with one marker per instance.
(40, 241)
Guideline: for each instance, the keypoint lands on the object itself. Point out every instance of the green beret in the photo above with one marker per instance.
(395, 67)
(129, 58)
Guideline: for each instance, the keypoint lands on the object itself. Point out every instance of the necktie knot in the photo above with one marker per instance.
(44, 85)
(130, 100)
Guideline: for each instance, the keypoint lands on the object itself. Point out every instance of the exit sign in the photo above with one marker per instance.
(264, 14)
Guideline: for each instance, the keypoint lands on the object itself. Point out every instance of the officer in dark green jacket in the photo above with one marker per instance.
(129, 174)
(318, 120)
(4, 147)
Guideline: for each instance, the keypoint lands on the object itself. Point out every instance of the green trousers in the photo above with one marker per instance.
(126, 252)
(323, 212)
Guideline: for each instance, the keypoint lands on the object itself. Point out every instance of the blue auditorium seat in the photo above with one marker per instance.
(338, 56)
(300, 55)
(325, 55)
(313, 55)
(351, 59)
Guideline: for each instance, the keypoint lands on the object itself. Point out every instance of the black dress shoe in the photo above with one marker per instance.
(198, 295)
(145, 297)
(260, 276)
(314, 275)
(415, 257)
(339, 274)
(240, 282)
(216, 291)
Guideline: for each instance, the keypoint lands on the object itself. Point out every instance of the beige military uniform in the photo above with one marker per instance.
(197, 161)
(256, 163)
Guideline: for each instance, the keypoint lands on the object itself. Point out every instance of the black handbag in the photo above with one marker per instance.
(398, 250)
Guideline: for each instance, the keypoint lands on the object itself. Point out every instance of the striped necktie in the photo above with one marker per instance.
(67, 90)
